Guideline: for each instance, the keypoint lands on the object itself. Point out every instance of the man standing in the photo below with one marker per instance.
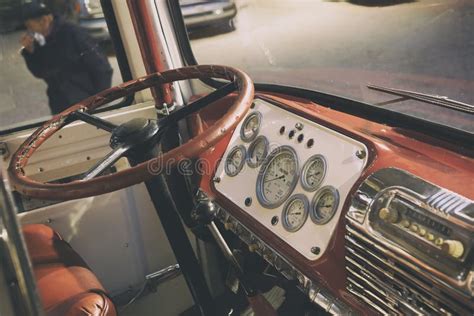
(65, 56)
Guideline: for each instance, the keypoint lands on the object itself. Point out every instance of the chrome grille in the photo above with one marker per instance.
(390, 287)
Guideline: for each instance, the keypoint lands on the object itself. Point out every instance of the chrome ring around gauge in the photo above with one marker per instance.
(324, 205)
(295, 213)
(277, 177)
(313, 173)
(235, 161)
(251, 126)
(257, 152)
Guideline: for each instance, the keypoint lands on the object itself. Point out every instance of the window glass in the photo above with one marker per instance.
(67, 55)
(343, 46)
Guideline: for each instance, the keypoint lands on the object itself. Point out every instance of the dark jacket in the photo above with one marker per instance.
(71, 64)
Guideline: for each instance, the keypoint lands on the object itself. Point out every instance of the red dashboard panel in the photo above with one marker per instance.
(421, 155)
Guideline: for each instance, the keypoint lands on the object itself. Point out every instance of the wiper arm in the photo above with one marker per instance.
(428, 98)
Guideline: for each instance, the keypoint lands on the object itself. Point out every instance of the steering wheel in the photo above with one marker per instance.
(134, 134)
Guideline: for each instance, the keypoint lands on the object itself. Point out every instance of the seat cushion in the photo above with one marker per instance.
(66, 285)
(47, 246)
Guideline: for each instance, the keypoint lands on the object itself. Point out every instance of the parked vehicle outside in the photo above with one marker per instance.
(199, 13)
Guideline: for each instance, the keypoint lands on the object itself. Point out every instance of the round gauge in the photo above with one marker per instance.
(324, 205)
(295, 212)
(257, 152)
(251, 127)
(277, 177)
(235, 161)
(313, 173)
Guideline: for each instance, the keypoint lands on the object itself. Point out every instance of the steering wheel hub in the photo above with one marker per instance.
(134, 132)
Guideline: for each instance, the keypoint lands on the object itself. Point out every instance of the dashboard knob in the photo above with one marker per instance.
(254, 247)
(228, 225)
(430, 236)
(389, 215)
(454, 248)
(438, 241)
(405, 223)
(422, 232)
(414, 228)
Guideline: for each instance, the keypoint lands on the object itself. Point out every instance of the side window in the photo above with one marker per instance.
(52, 55)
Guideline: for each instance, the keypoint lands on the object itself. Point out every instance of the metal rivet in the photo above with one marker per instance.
(299, 126)
(361, 154)
(316, 250)
(248, 201)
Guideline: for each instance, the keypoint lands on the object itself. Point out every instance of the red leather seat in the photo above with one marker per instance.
(66, 285)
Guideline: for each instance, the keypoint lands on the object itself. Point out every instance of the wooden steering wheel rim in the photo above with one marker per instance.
(146, 170)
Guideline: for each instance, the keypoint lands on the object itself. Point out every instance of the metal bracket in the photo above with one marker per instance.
(4, 153)
(166, 110)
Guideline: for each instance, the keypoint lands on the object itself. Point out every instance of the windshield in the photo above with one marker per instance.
(341, 47)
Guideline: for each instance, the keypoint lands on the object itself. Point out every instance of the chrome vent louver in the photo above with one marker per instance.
(392, 288)
(447, 202)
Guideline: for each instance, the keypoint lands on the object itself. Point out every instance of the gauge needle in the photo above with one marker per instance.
(314, 174)
(280, 177)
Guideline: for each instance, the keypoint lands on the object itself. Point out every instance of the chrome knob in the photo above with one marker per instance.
(389, 215)
(454, 248)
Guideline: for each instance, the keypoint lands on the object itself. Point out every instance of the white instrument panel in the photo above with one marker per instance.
(345, 160)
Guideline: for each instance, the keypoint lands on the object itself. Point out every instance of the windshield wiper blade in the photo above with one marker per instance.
(428, 98)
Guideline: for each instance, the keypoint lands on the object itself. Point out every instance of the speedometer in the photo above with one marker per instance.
(277, 177)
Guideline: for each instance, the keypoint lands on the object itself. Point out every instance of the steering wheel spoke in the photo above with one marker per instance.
(197, 105)
(108, 161)
(93, 120)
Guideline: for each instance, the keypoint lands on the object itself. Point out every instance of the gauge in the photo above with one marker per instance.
(324, 205)
(313, 173)
(277, 177)
(257, 152)
(295, 212)
(251, 127)
(235, 161)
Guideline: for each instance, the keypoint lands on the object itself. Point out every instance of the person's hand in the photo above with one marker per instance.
(28, 42)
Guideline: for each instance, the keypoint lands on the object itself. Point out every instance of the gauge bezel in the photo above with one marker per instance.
(314, 217)
(232, 152)
(284, 212)
(304, 171)
(248, 118)
(260, 196)
(252, 148)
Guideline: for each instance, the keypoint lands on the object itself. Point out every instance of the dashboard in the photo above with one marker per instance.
(366, 218)
(291, 175)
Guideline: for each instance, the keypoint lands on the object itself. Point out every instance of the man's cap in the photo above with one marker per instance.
(34, 10)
